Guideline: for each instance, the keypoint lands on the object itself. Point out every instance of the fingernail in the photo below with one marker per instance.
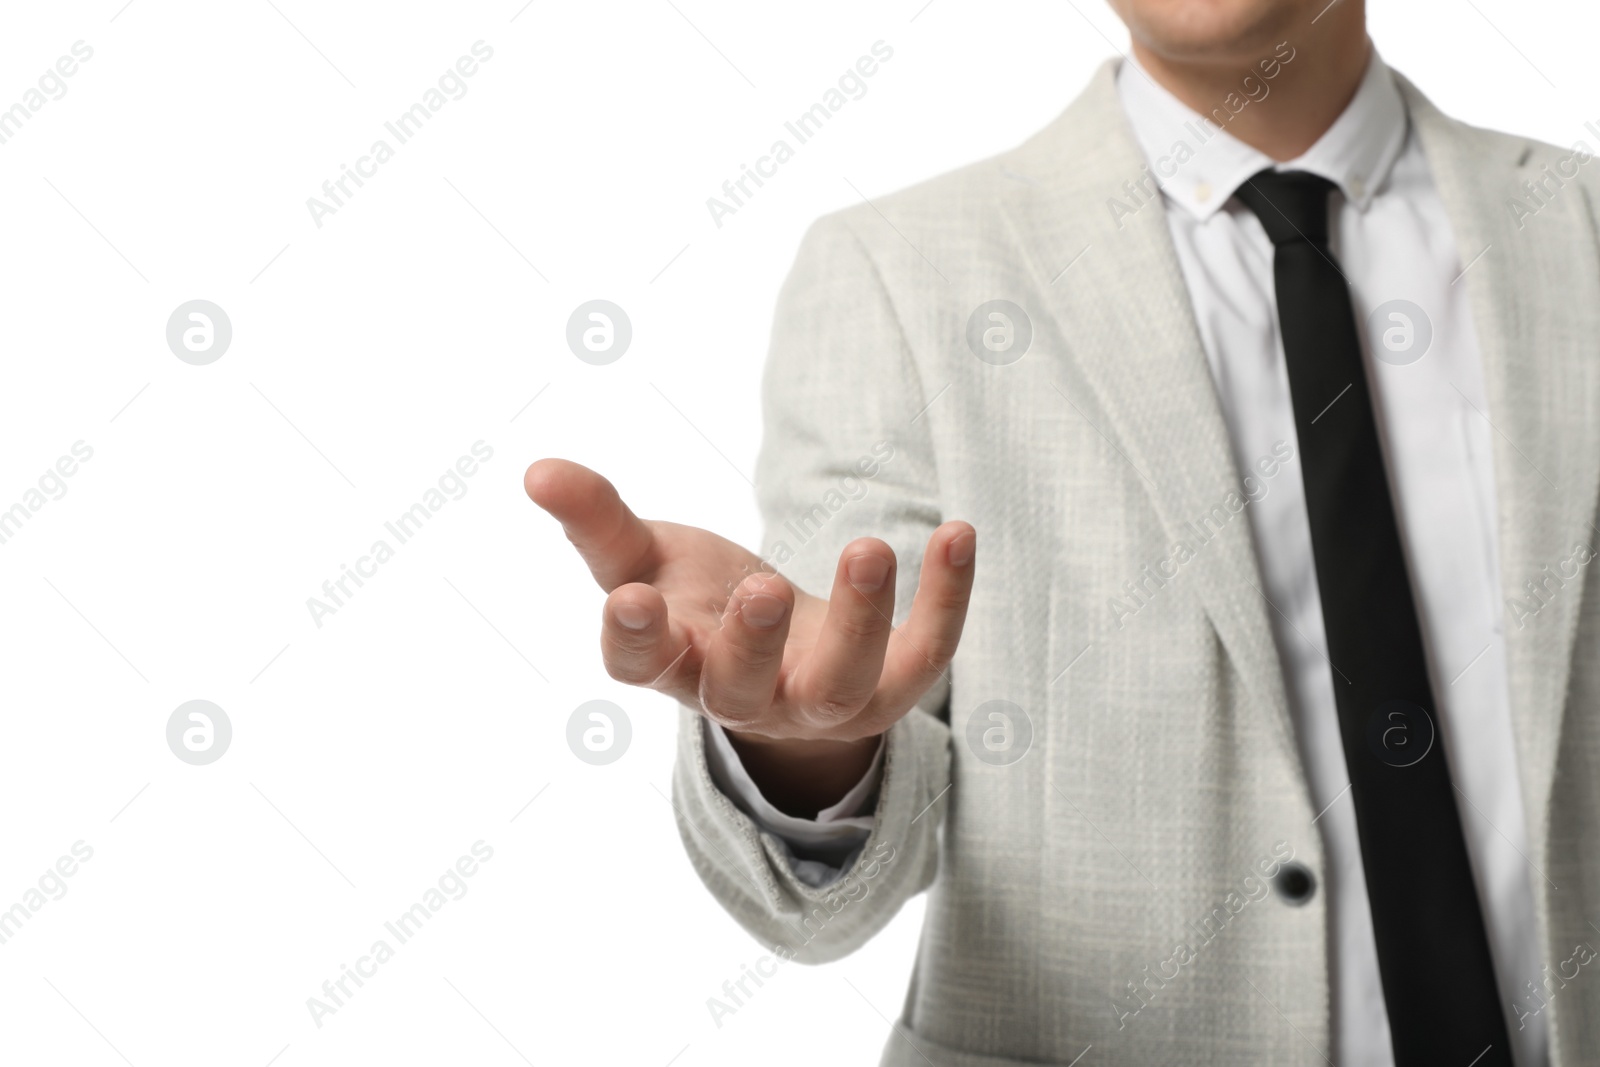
(962, 548)
(632, 616)
(762, 610)
(867, 573)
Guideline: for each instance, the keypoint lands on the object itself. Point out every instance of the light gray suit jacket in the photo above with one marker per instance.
(1106, 888)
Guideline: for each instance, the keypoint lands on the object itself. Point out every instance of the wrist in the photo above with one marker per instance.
(802, 776)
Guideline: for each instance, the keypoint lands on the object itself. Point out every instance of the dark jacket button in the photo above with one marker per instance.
(1295, 883)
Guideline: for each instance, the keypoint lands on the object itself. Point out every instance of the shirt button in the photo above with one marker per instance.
(1358, 188)
(1294, 883)
(1202, 192)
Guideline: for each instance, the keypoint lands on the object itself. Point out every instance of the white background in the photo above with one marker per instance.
(368, 354)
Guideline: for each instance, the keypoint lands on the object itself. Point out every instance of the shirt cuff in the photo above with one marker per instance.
(820, 848)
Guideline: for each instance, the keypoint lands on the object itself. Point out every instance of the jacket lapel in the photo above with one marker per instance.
(1534, 285)
(1101, 254)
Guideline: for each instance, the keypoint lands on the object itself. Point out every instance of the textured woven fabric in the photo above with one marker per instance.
(1106, 888)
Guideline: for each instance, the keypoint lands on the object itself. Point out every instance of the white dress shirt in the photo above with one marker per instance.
(1393, 241)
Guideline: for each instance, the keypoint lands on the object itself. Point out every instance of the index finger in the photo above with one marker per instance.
(613, 541)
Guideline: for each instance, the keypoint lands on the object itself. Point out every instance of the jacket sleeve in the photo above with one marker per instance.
(845, 454)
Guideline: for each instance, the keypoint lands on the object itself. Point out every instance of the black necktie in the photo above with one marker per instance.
(1433, 953)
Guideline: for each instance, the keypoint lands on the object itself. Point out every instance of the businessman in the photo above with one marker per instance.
(1273, 396)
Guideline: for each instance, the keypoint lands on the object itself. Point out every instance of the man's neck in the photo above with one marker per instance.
(1305, 98)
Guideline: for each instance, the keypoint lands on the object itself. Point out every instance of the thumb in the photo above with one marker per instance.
(613, 541)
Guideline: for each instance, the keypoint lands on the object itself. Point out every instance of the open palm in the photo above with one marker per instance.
(694, 615)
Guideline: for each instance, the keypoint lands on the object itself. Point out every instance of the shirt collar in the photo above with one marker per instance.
(1197, 164)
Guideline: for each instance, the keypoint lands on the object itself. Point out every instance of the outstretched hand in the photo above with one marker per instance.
(694, 615)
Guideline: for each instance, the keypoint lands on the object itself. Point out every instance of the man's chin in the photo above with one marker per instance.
(1210, 31)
